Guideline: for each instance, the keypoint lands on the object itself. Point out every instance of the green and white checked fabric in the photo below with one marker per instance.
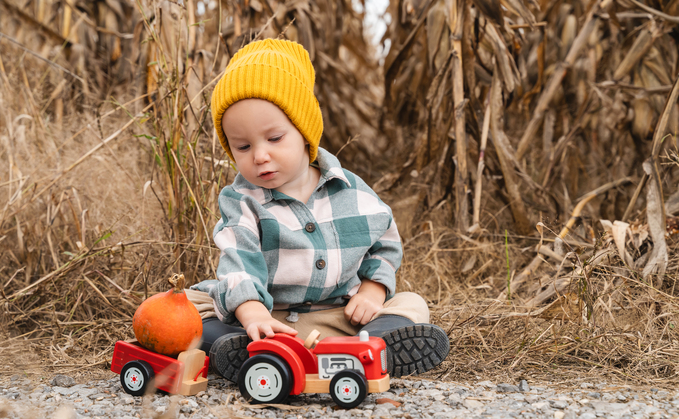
(297, 257)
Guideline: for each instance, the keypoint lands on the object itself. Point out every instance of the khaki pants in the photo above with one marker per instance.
(330, 322)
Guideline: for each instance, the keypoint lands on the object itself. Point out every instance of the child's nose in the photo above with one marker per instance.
(261, 155)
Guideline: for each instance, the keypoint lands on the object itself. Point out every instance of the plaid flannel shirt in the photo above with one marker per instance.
(302, 257)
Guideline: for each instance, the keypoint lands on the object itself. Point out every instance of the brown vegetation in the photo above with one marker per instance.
(528, 150)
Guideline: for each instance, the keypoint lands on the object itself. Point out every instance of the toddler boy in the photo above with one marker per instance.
(304, 243)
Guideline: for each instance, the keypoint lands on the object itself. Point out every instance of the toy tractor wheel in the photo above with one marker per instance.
(348, 388)
(265, 378)
(135, 377)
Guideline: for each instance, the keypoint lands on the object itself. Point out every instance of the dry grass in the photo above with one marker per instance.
(111, 170)
(604, 322)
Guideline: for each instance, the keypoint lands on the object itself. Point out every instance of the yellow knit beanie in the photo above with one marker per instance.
(278, 71)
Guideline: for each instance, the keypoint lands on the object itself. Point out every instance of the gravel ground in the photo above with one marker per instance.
(62, 398)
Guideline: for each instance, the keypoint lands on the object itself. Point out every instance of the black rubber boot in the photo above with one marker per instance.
(226, 346)
(411, 348)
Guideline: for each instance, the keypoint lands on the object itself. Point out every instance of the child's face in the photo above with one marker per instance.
(269, 150)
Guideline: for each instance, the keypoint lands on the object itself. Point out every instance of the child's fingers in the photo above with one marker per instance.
(283, 328)
(367, 315)
(267, 330)
(357, 316)
(253, 332)
(289, 330)
(349, 310)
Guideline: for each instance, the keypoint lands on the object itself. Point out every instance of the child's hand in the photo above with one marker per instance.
(365, 303)
(257, 321)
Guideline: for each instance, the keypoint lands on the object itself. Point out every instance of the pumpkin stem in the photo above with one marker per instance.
(177, 281)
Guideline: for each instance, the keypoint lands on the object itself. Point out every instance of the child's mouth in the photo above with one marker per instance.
(267, 175)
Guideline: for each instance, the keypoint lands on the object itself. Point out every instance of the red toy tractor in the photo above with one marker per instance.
(346, 367)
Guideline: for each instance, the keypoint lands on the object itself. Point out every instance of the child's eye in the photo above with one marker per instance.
(275, 139)
(243, 147)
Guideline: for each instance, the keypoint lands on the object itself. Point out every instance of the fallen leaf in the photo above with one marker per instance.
(385, 400)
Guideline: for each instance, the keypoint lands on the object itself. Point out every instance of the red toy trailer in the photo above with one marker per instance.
(138, 368)
(346, 367)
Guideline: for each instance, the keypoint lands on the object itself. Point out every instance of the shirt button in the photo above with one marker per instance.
(310, 227)
(320, 264)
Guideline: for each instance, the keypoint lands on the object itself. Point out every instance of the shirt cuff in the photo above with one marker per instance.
(380, 271)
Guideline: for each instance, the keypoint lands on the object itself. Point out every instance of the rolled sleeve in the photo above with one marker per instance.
(383, 260)
(242, 273)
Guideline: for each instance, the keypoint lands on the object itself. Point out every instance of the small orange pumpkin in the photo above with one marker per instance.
(168, 323)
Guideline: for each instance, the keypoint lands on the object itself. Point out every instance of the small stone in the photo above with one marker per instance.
(87, 392)
(61, 380)
(610, 408)
(472, 404)
(507, 388)
(532, 398)
(558, 404)
(594, 395)
(429, 393)
(64, 391)
(540, 405)
(586, 385)
(487, 384)
(523, 386)
(454, 399)
(607, 397)
(559, 414)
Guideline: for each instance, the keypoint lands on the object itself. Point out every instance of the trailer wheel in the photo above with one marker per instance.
(265, 378)
(135, 377)
(348, 388)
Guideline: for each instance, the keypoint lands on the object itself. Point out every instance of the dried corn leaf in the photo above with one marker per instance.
(644, 115)
(641, 45)
(655, 213)
(506, 65)
(437, 47)
(619, 231)
(519, 8)
(492, 9)
(568, 33)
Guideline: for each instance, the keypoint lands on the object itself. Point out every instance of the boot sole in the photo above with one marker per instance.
(227, 355)
(415, 349)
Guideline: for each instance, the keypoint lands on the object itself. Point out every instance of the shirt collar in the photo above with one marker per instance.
(328, 164)
(330, 168)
